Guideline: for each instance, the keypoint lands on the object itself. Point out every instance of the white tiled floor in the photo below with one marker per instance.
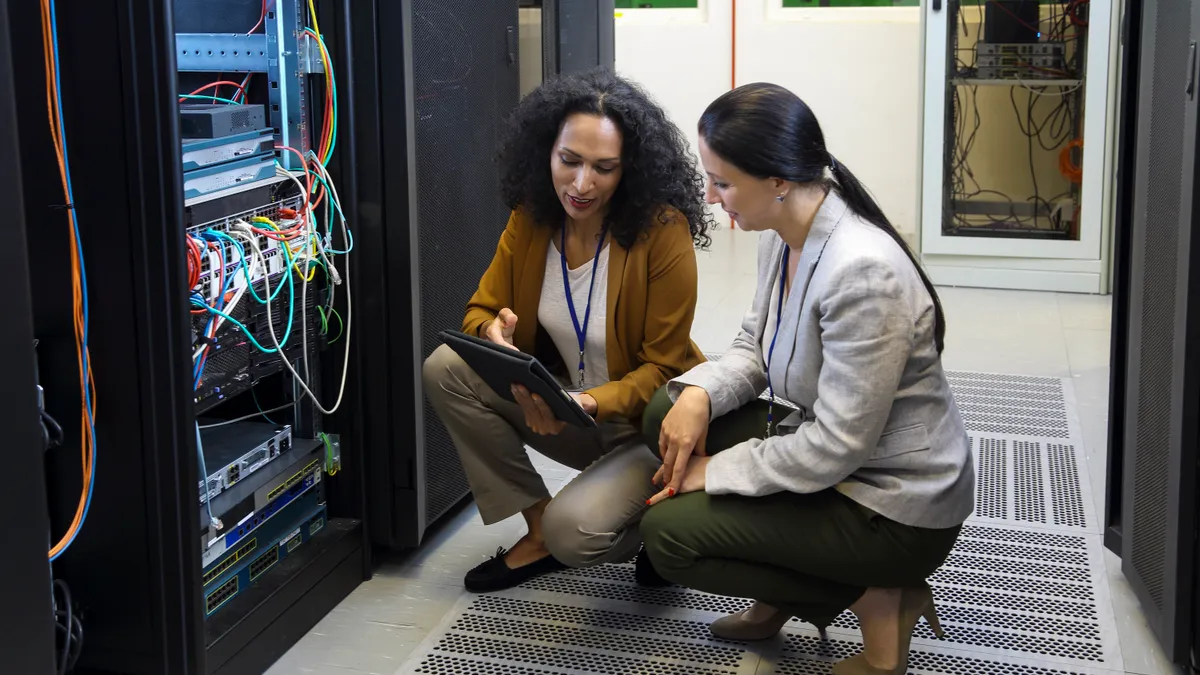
(1046, 334)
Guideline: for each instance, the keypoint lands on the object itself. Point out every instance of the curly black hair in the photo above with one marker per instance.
(658, 166)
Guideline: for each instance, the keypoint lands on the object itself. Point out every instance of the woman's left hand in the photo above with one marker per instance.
(693, 479)
(540, 418)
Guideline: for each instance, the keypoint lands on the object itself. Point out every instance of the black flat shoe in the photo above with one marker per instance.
(496, 575)
(645, 574)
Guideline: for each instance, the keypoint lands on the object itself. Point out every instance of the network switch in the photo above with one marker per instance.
(250, 569)
(269, 531)
(234, 451)
(230, 174)
(201, 153)
(214, 544)
(207, 120)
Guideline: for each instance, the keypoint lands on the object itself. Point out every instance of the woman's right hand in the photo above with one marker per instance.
(683, 433)
(501, 329)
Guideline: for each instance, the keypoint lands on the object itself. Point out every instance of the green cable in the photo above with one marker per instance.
(337, 316)
(210, 97)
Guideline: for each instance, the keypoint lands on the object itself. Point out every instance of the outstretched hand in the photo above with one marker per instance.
(500, 330)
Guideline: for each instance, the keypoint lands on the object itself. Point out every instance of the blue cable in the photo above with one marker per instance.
(84, 372)
(198, 368)
(204, 477)
(246, 270)
(254, 395)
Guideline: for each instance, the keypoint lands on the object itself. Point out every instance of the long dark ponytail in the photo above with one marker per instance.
(768, 132)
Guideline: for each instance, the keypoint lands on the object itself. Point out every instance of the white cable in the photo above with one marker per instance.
(304, 333)
(219, 321)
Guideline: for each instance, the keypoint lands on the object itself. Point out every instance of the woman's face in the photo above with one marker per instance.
(751, 202)
(585, 164)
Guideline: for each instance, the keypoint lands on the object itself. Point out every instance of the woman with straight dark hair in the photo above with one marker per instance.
(854, 496)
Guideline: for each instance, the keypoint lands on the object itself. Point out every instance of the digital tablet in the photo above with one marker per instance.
(501, 367)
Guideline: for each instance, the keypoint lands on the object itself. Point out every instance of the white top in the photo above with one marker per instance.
(555, 317)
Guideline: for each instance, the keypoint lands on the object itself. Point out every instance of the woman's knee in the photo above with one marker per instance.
(440, 368)
(577, 533)
(664, 535)
(652, 419)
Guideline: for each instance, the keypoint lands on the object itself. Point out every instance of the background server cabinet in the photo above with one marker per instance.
(1153, 468)
(433, 82)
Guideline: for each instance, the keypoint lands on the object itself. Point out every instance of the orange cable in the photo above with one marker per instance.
(88, 385)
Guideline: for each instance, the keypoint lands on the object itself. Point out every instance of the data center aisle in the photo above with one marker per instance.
(1028, 590)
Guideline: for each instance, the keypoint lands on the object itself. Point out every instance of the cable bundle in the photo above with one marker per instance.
(303, 240)
(79, 292)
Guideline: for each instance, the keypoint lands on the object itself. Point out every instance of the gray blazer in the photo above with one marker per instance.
(855, 351)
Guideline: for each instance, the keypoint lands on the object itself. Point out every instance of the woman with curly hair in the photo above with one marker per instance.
(595, 274)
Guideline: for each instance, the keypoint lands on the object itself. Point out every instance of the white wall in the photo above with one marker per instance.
(681, 57)
(866, 98)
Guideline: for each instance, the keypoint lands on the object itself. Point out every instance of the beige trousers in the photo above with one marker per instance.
(591, 521)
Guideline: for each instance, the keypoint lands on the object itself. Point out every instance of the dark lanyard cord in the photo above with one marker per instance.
(771, 351)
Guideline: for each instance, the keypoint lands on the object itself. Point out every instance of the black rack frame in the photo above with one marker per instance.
(27, 643)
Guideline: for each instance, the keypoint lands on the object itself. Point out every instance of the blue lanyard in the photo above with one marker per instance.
(580, 331)
(783, 270)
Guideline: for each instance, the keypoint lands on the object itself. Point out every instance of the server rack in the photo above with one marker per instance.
(135, 567)
(1154, 511)
(1126, 170)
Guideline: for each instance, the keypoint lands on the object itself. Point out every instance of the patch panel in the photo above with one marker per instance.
(247, 572)
(271, 249)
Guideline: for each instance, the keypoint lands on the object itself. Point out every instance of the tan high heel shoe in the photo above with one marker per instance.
(914, 604)
(739, 627)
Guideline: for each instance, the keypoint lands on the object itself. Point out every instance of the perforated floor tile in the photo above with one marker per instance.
(1023, 593)
(1028, 451)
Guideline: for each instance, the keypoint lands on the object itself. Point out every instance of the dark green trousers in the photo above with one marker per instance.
(812, 555)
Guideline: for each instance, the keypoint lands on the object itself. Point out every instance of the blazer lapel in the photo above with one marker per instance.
(828, 216)
(614, 350)
(826, 220)
(528, 285)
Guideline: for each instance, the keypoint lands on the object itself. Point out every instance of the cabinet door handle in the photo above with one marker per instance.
(937, 5)
(510, 39)
(1191, 72)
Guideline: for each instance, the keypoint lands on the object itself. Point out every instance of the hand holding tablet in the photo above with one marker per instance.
(502, 367)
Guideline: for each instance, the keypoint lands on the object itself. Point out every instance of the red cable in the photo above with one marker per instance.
(210, 85)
